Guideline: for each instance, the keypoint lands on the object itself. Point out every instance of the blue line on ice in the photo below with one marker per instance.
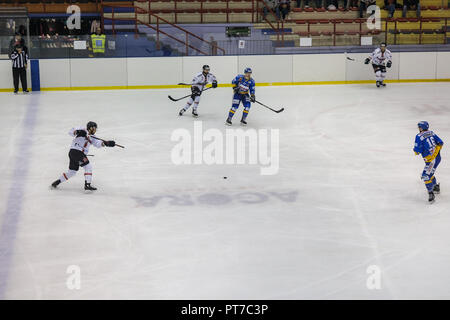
(11, 216)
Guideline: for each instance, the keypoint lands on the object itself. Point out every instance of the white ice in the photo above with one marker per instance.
(348, 195)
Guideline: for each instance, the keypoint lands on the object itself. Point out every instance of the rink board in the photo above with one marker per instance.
(160, 73)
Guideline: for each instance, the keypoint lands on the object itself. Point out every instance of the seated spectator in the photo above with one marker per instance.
(411, 5)
(271, 4)
(306, 3)
(331, 4)
(344, 4)
(390, 6)
(283, 9)
(353, 4)
(364, 4)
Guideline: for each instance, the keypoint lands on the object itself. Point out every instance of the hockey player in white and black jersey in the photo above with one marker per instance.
(83, 139)
(381, 58)
(198, 84)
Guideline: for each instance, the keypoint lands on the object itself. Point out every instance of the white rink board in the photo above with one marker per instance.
(268, 69)
(417, 65)
(318, 67)
(54, 79)
(154, 71)
(169, 71)
(443, 65)
(98, 72)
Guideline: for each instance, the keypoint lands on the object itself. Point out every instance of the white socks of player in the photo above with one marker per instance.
(88, 173)
(378, 76)
(188, 104)
(66, 176)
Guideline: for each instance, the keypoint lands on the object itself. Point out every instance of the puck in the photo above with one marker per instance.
(224, 177)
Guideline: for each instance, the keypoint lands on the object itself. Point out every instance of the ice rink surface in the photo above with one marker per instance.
(347, 196)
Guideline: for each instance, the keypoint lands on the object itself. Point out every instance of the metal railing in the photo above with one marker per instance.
(137, 22)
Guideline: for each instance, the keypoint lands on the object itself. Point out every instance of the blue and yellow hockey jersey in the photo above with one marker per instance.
(428, 144)
(245, 86)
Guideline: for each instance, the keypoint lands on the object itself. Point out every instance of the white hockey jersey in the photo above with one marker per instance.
(381, 58)
(200, 81)
(83, 143)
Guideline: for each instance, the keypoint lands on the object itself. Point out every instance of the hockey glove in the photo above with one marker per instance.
(110, 143)
(252, 98)
(80, 133)
(389, 64)
(214, 84)
(367, 61)
(236, 88)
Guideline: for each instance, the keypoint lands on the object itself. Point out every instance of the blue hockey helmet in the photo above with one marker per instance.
(248, 70)
(423, 125)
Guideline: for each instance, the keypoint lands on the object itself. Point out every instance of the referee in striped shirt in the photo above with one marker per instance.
(19, 67)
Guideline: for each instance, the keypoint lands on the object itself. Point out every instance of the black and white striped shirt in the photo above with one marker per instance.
(19, 59)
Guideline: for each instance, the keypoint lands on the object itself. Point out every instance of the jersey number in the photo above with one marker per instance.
(431, 142)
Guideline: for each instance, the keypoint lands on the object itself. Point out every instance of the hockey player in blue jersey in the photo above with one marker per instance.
(244, 91)
(429, 145)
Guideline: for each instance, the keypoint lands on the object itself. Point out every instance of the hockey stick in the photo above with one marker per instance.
(351, 59)
(117, 145)
(277, 111)
(173, 99)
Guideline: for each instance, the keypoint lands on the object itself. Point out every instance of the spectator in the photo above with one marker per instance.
(353, 4)
(319, 3)
(270, 4)
(94, 25)
(283, 9)
(331, 4)
(19, 68)
(411, 5)
(98, 41)
(363, 5)
(17, 41)
(390, 6)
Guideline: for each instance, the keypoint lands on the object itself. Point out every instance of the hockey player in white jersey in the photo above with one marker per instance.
(198, 84)
(381, 58)
(83, 139)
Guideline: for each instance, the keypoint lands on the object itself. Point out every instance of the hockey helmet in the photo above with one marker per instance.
(423, 125)
(248, 70)
(91, 124)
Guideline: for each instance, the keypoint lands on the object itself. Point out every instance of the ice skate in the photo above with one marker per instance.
(430, 197)
(56, 183)
(437, 189)
(88, 187)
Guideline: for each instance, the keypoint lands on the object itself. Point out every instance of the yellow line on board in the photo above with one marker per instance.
(263, 84)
